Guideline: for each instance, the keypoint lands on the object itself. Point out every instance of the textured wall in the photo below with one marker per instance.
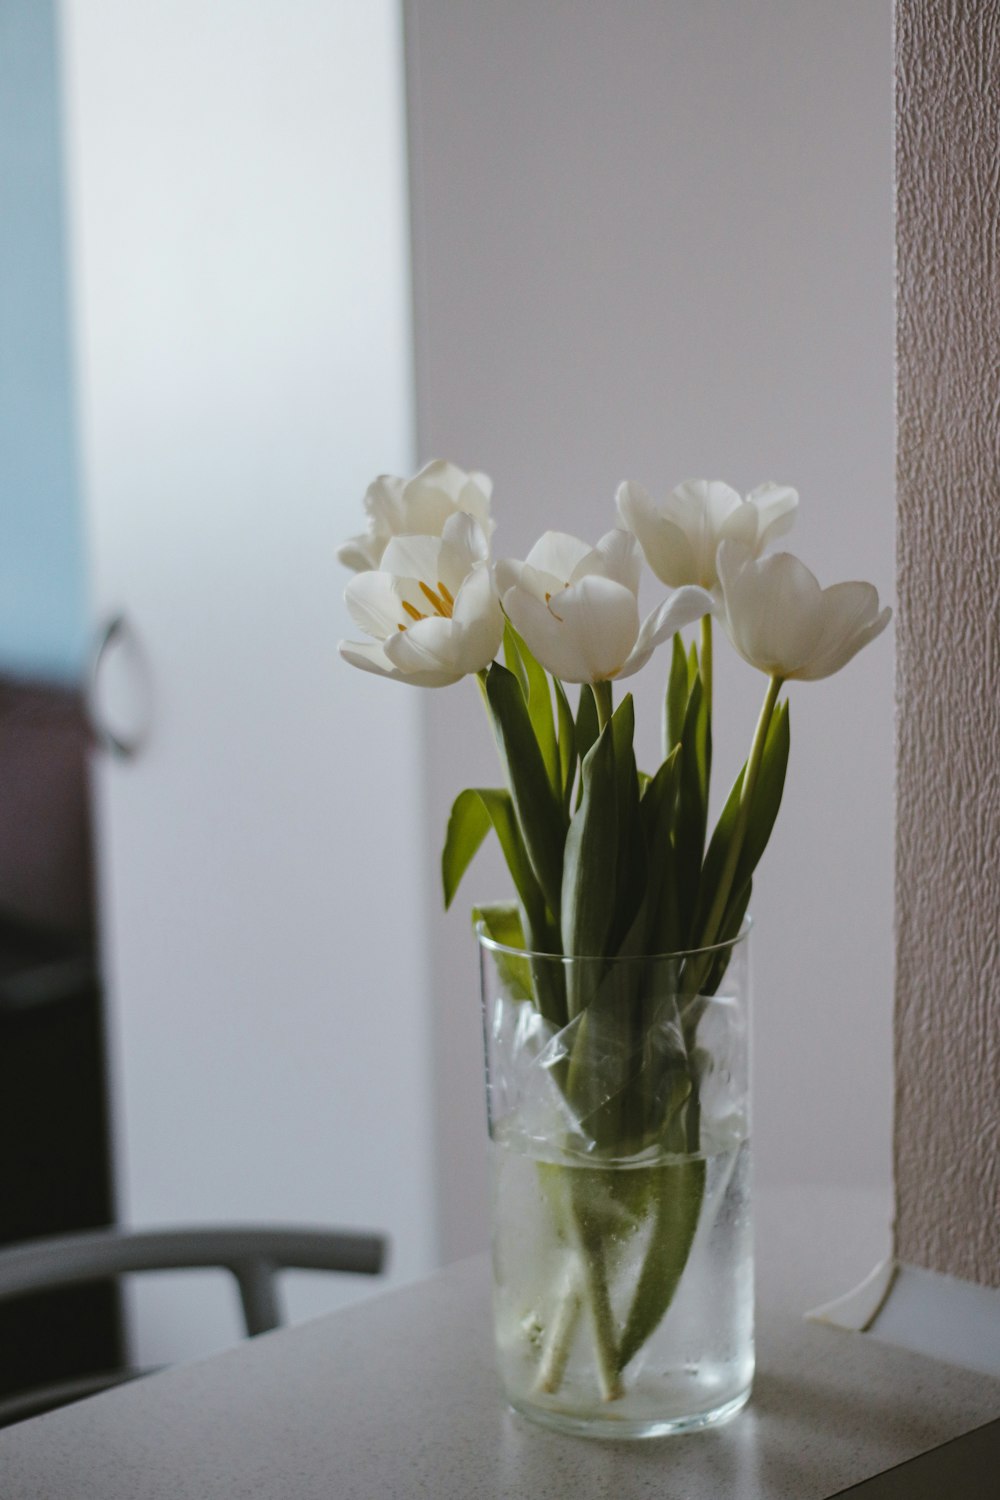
(947, 1134)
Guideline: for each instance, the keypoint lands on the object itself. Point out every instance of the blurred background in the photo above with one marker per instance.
(253, 254)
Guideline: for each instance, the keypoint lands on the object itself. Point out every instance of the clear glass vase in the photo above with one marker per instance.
(619, 1125)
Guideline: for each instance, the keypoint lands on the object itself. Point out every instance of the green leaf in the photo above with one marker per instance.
(591, 856)
(692, 808)
(538, 812)
(502, 923)
(767, 794)
(535, 687)
(657, 811)
(567, 745)
(679, 1189)
(468, 824)
(715, 858)
(587, 724)
(760, 822)
(630, 867)
(710, 970)
(677, 697)
(692, 666)
(512, 657)
(475, 811)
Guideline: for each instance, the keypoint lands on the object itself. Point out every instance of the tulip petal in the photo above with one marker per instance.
(442, 474)
(510, 575)
(621, 556)
(360, 553)
(474, 499)
(851, 619)
(682, 608)
(384, 503)
(602, 617)
(464, 535)
(483, 483)
(478, 621)
(558, 554)
(776, 505)
(718, 501)
(556, 649)
(783, 623)
(430, 497)
(711, 505)
(773, 608)
(740, 526)
(664, 543)
(374, 602)
(370, 657)
(422, 505)
(413, 557)
(427, 646)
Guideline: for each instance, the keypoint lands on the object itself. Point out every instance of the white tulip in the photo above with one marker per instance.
(416, 507)
(781, 621)
(681, 537)
(577, 607)
(432, 607)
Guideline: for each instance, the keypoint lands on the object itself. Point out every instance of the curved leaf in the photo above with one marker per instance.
(538, 812)
(692, 808)
(535, 687)
(567, 745)
(475, 811)
(591, 855)
(630, 867)
(679, 1188)
(468, 825)
(676, 699)
(587, 726)
(502, 923)
(760, 822)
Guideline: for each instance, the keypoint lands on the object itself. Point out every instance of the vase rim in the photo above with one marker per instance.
(730, 945)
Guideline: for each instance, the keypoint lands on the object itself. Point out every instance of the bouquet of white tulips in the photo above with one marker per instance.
(607, 861)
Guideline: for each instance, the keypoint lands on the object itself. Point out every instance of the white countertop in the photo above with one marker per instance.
(396, 1398)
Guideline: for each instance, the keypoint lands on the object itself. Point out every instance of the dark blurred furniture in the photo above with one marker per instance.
(252, 1254)
(55, 1168)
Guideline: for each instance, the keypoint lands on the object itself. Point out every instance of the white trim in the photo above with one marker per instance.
(912, 1308)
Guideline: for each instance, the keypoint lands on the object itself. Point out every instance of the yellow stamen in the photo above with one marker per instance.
(412, 611)
(440, 608)
(446, 595)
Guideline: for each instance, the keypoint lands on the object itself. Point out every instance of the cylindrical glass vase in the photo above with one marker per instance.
(619, 1123)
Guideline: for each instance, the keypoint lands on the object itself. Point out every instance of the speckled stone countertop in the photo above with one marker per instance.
(396, 1398)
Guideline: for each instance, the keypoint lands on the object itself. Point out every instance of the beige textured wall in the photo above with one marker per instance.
(947, 1130)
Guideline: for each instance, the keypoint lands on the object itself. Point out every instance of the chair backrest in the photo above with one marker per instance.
(251, 1253)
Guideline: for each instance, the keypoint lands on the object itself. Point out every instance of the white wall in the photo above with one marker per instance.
(654, 241)
(238, 213)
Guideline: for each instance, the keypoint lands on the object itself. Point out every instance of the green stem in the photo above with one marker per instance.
(598, 1299)
(555, 1354)
(706, 661)
(710, 931)
(604, 702)
(584, 1288)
